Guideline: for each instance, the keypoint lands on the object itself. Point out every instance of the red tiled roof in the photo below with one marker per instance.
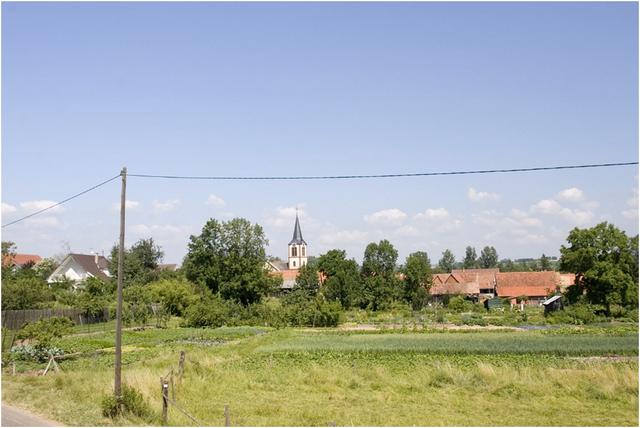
(445, 283)
(455, 288)
(20, 259)
(531, 284)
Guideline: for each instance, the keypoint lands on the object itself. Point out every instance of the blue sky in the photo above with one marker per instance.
(305, 89)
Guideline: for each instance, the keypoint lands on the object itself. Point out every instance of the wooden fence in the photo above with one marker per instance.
(14, 320)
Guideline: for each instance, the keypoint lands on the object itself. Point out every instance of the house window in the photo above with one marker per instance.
(294, 263)
(304, 263)
(303, 248)
(294, 251)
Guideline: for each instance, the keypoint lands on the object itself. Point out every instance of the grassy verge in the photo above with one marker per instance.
(316, 377)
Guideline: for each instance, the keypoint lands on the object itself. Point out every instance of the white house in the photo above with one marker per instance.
(78, 267)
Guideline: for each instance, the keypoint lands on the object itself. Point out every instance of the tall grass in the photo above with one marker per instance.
(294, 378)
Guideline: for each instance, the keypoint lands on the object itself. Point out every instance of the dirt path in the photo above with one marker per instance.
(14, 417)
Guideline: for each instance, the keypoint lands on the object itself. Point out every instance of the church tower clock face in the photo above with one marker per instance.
(297, 253)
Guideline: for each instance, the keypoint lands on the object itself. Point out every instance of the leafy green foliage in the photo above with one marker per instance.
(131, 401)
(38, 352)
(417, 279)
(488, 258)
(45, 330)
(342, 280)
(24, 289)
(447, 262)
(470, 258)
(381, 286)
(605, 261)
(307, 279)
(174, 295)
(140, 262)
(229, 258)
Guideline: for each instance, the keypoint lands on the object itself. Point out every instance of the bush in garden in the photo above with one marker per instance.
(131, 401)
(473, 319)
(45, 330)
(211, 312)
(39, 352)
(459, 304)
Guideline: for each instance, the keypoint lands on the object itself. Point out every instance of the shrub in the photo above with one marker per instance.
(174, 294)
(459, 304)
(39, 352)
(576, 314)
(131, 402)
(211, 312)
(473, 319)
(45, 330)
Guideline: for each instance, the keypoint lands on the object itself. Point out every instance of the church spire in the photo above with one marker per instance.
(297, 233)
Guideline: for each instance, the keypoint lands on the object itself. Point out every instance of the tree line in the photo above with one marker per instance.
(224, 274)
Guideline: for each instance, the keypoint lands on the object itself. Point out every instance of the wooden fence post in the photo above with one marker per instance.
(173, 388)
(227, 416)
(165, 400)
(181, 365)
(13, 368)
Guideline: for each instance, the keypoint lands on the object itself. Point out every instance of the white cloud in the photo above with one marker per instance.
(433, 214)
(572, 194)
(33, 206)
(166, 206)
(343, 237)
(392, 216)
(476, 196)
(285, 216)
(215, 201)
(632, 202)
(129, 205)
(44, 221)
(406, 231)
(167, 232)
(552, 207)
(524, 219)
(8, 209)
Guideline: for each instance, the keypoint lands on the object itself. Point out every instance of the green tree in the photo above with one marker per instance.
(140, 262)
(605, 261)
(95, 296)
(488, 258)
(447, 262)
(229, 258)
(470, 258)
(381, 286)
(174, 295)
(307, 279)
(341, 279)
(25, 291)
(545, 263)
(417, 279)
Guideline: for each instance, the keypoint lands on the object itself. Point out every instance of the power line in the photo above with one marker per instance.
(328, 177)
(347, 177)
(61, 202)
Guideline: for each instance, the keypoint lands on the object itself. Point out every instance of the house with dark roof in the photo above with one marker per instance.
(79, 267)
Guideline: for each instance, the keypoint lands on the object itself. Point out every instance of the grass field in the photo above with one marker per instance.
(323, 376)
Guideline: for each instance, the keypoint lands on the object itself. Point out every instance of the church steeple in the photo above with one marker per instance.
(297, 233)
(297, 247)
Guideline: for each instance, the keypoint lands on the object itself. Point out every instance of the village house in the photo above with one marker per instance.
(79, 267)
(20, 260)
(482, 284)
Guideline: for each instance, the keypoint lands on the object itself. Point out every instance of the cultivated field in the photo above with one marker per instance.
(567, 376)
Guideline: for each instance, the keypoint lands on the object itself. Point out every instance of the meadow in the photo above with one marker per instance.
(569, 376)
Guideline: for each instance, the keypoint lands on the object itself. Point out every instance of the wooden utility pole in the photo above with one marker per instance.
(118, 364)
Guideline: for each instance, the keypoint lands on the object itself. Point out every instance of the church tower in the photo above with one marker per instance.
(297, 248)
